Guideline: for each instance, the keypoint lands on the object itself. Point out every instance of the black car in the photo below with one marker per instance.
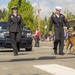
(5, 41)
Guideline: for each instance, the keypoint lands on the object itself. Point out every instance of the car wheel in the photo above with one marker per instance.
(29, 49)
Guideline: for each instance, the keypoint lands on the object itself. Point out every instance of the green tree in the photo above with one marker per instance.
(25, 10)
(35, 23)
(69, 15)
(3, 13)
(44, 22)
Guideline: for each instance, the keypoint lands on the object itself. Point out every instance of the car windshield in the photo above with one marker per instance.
(3, 25)
(27, 31)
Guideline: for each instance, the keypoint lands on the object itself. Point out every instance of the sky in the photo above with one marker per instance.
(47, 6)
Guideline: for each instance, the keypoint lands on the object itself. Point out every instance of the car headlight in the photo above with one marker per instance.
(1, 35)
(29, 35)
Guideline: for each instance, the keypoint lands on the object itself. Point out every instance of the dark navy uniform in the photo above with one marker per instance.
(15, 29)
(59, 31)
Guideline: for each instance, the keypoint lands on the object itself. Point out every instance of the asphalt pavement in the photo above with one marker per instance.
(36, 62)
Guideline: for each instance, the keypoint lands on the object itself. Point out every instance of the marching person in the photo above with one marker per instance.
(58, 20)
(37, 35)
(15, 29)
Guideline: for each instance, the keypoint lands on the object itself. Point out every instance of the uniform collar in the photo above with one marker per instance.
(15, 14)
(58, 15)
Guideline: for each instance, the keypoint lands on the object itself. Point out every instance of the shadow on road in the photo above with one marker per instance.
(11, 51)
(40, 58)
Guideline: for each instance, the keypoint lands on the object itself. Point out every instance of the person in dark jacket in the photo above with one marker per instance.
(58, 20)
(15, 29)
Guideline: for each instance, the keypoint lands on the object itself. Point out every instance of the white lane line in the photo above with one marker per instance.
(47, 42)
(56, 69)
(46, 47)
(43, 47)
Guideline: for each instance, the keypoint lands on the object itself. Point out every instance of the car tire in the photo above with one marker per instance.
(28, 49)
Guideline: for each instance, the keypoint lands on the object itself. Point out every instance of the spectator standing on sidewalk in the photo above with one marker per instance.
(37, 37)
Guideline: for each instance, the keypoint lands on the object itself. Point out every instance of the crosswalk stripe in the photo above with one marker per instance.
(56, 69)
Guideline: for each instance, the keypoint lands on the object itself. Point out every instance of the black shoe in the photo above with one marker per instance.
(61, 53)
(15, 54)
(37, 46)
(55, 51)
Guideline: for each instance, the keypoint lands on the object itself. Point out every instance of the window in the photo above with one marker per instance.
(3, 25)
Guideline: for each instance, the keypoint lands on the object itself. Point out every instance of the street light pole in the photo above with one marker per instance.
(39, 17)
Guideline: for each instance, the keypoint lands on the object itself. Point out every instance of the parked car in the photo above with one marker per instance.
(5, 41)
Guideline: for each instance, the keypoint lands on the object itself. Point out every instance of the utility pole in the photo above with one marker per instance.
(39, 9)
(67, 11)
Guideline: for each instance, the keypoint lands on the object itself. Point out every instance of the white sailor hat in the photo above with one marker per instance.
(15, 7)
(58, 8)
